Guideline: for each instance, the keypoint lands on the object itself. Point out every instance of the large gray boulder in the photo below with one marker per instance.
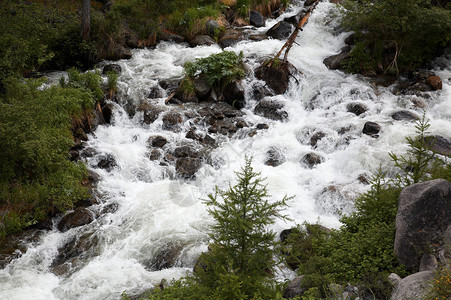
(415, 286)
(424, 214)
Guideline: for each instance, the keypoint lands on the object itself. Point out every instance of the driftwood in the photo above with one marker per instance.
(289, 43)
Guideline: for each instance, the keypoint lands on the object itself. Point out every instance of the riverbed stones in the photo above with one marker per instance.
(311, 159)
(79, 217)
(280, 31)
(186, 167)
(424, 214)
(274, 157)
(271, 109)
(371, 128)
(439, 144)
(166, 257)
(202, 40)
(115, 68)
(405, 115)
(157, 141)
(316, 138)
(234, 95)
(229, 38)
(336, 61)
(356, 108)
(256, 19)
(172, 121)
(276, 77)
(434, 82)
(107, 162)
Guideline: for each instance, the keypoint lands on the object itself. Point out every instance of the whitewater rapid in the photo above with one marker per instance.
(156, 210)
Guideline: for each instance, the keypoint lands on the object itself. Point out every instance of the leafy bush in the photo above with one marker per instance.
(397, 35)
(441, 284)
(36, 175)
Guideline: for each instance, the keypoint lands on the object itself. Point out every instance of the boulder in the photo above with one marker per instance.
(202, 40)
(277, 77)
(155, 154)
(112, 68)
(271, 109)
(371, 128)
(167, 35)
(439, 144)
(280, 31)
(229, 38)
(274, 157)
(212, 27)
(261, 91)
(428, 262)
(157, 141)
(107, 162)
(356, 108)
(336, 61)
(415, 286)
(186, 167)
(293, 20)
(150, 112)
(424, 214)
(256, 19)
(185, 151)
(107, 112)
(262, 126)
(79, 217)
(13, 246)
(166, 257)
(234, 95)
(434, 82)
(172, 121)
(294, 289)
(309, 2)
(405, 115)
(312, 159)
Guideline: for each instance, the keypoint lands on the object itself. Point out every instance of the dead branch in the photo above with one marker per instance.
(289, 43)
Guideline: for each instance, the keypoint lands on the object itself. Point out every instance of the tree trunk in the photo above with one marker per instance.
(86, 20)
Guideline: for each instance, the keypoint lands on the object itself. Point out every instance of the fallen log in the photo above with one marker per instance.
(291, 40)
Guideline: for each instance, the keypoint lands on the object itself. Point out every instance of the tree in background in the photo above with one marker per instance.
(86, 20)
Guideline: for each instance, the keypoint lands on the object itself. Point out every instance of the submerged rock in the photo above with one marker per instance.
(336, 61)
(271, 109)
(371, 128)
(356, 108)
(274, 157)
(81, 216)
(186, 167)
(172, 121)
(312, 159)
(405, 115)
(280, 31)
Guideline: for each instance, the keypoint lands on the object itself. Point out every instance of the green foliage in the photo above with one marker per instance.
(36, 175)
(191, 21)
(111, 82)
(395, 35)
(420, 162)
(218, 69)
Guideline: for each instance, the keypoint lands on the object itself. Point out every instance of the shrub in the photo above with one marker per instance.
(441, 284)
(397, 35)
(36, 175)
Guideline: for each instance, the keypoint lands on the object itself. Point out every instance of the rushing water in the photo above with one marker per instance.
(157, 211)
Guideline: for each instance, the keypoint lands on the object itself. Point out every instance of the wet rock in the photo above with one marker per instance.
(157, 141)
(241, 124)
(309, 2)
(439, 144)
(415, 286)
(13, 246)
(256, 19)
(155, 92)
(364, 178)
(93, 177)
(185, 151)
(424, 214)
(234, 95)
(271, 109)
(72, 253)
(356, 108)
(155, 154)
(191, 134)
(208, 140)
(316, 137)
(86, 202)
(110, 208)
(274, 157)
(350, 40)
(293, 20)
(74, 155)
(258, 37)
(202, 40)
(186, 167)
(229, 38)
(276, 77)
(119, 52)
(371, 128)
(261, 91)
(107, 162)
(89, 152)
(112, 68)
(312, 159)
(405, 115)
(336, 61)
(212, 27)
(172, 121)
(81, 216)
(262, 126)
(434, 82)
(165, 257)
(280, 31)
(107, 111)
(419, 102)
(150, 112)
(294, 289)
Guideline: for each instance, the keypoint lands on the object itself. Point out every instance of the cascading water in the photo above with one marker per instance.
(159, 213)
